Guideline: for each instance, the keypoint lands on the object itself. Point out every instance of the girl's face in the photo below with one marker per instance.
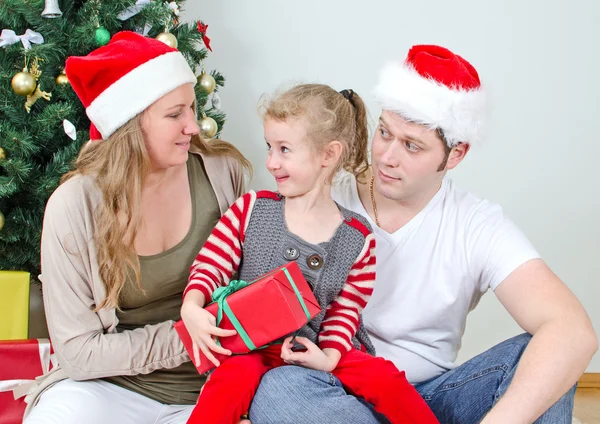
(292, 159)
(168, 125)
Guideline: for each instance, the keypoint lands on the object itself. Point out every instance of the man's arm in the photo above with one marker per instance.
(562, 346)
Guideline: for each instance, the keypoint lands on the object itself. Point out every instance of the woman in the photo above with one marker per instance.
(119, 236)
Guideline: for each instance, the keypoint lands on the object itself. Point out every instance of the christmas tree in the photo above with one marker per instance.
(42, 122)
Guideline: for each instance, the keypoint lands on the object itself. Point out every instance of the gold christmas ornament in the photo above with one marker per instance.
(208, 127)
(2, 154)
(24, 83)
(167, 38)
(38, 93)
(1, 220)
(207, 83)
(62, 79)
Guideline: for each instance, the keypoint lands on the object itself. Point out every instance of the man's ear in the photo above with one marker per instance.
(457, 154)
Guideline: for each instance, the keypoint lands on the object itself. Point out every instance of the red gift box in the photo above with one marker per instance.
(263, 311)
(21, 361)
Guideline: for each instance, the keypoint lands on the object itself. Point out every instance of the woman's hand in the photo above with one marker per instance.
(313, 357)
(201, 325)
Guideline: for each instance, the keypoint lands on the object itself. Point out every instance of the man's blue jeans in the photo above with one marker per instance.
(463, 395)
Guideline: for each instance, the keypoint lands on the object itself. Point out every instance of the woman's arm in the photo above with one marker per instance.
(72, 288)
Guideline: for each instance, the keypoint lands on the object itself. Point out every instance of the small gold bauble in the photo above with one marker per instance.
(208, 127)
(23, 83)
(167, 38)
(207, 83)
(2, 154)
(62, 79)
(1, 220)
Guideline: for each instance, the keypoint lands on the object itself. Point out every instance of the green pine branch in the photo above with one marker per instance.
(38, 150)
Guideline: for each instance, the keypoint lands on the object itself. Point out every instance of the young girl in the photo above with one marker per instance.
(312, 131)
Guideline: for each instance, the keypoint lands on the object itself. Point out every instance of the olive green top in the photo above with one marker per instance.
(164, 277)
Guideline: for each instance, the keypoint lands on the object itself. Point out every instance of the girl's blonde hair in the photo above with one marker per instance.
(120, 166)
(329, 115)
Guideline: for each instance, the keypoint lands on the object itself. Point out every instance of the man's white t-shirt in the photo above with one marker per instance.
(432, 272)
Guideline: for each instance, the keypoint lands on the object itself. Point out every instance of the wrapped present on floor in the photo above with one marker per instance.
(21, 361)
(14, 305)
(261, 311)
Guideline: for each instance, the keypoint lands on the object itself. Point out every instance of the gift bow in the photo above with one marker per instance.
(8, 37)
(22, 388)
(133, 10)
(174, 8)
(220, 297)
(202, 29)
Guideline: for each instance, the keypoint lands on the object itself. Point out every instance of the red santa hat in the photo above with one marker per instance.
(436, 88)
(118, 81)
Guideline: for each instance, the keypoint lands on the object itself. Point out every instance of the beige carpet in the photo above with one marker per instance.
(576, 421)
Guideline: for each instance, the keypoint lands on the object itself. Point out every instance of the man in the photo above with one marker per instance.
(439, 249)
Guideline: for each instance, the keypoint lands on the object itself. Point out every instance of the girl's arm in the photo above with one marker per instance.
(221, 255)
(342, 317)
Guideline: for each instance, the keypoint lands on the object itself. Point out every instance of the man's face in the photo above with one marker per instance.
(406, 159)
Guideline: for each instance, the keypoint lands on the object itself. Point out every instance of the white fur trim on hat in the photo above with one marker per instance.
(138, 89)
(459, 113)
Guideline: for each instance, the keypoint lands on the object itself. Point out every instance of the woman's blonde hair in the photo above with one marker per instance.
(120, 166)
(330, 115)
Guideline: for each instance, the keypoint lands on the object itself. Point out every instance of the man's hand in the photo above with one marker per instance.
(313, 357)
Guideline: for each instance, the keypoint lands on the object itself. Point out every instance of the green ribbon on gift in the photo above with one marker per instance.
(298, 294)
(220, 297)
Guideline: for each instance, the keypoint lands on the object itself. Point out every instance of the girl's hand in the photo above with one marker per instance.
(201, 325)
(313, 357)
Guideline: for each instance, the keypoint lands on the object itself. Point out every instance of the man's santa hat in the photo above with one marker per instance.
(436, 88)
(118, 81)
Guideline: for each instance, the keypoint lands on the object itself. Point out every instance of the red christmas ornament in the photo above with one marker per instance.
(202, 29)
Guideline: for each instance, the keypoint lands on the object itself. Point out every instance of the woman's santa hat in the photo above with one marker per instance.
(118, 81)
(436, 88)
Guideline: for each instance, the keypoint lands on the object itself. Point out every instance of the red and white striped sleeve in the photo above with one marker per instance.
(220, 256)
(342, 316)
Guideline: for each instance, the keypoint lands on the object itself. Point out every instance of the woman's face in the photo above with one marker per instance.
(168, 125)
